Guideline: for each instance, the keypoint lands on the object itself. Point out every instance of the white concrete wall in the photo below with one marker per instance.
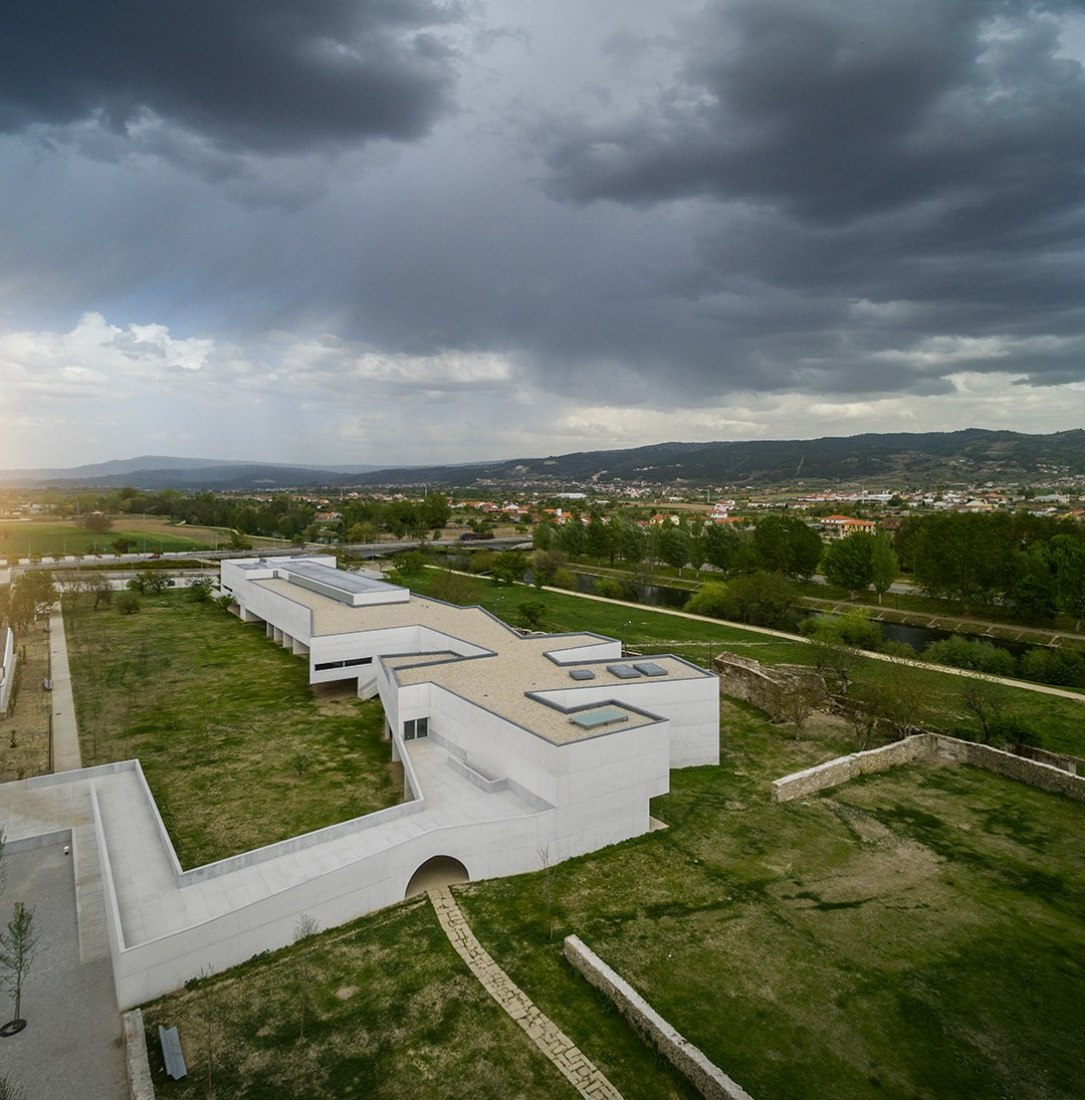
(8, 661)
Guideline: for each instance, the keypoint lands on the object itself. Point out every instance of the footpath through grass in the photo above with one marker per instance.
(238, 750)
(919, 934)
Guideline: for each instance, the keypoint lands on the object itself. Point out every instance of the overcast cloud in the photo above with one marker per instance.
(413, 231)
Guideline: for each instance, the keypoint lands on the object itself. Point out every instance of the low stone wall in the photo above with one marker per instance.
(1033, 772)
(928, 746)
(705, 1076)
(834, 772)
(764, 687)
(1071, 764)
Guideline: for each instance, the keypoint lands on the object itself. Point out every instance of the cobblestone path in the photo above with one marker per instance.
(582, 1074)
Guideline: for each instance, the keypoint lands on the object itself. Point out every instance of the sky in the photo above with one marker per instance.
(399, 232)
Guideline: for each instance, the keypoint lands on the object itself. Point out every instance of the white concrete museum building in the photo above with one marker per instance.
(516, 750)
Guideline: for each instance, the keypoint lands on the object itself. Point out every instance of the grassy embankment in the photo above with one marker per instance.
(237, 748)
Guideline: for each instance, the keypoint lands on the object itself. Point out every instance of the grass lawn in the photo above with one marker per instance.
(393, 1014)
(915, 934)
(20, 539)
(237, 749)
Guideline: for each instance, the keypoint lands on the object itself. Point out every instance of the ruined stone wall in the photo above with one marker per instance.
(927, 746)
(764, 687)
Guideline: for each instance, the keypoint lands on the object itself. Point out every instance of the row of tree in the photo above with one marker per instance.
(778, 544)
(1033, 565)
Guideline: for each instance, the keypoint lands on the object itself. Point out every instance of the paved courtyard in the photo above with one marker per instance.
(72, 1044)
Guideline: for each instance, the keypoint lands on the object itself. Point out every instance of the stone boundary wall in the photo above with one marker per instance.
(761, 686)
(140, 1083)
(706, 1077)
(928, 746)
(1071, 764)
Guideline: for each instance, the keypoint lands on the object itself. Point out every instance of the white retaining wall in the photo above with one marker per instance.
(7, 669)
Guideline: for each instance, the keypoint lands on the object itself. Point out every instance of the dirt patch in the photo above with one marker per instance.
(345, 992)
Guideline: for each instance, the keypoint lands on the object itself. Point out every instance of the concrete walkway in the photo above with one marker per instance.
(66, 756)
(581, 1073)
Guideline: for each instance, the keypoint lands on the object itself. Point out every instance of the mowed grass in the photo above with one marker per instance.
(238, 750)
(919, 934)
(1058, 723)
(21, 539)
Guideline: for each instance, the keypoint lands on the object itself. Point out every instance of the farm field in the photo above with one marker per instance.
(19, 539)
(237, 749)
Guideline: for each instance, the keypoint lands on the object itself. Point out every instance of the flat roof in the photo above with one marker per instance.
(515, 674)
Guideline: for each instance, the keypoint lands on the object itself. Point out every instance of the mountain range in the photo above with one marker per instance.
(970, 455)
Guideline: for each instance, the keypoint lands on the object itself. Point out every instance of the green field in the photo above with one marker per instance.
(237, 749)
(1058, 723)
(915, 935)
(22, 539)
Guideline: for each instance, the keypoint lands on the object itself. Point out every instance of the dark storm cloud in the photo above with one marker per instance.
(835, 111)
(928, 152)
(269, 75)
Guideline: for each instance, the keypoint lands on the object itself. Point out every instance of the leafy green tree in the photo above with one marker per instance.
(32, 595)
(200, 589)
(18, 943)
(629, 540)
(435, 512)
(884, 565)
(712, 599)
(785, 544)
(971, 653)
(1067, 556)
(543, 535)
(849, 562)
(721, 545)
(598, 540)
(127, 603)
(508, 566)
(531, 614)
(571, 536)
(674, 545)
(764, 599)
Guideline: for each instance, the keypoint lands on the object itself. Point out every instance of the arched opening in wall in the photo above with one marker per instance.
(438, 871)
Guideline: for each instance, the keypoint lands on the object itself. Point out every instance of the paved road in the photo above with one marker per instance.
(72, 1045)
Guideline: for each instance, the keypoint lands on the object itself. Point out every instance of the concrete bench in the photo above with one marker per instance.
(171, 1052)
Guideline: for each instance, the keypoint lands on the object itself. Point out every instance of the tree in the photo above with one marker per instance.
(531, 614)
(721, 546)
(1067, 556)
(712, 599)
(985, 701)
(17, 945)
(599, 541)
(128, 603)
(849, 562)
(508, 566)
(764, 599)
(435, 512)
(674, 546)
(121, 545)
(103, 594)
(200, 589)
(32, 594)
(785, 544)
(884, 565)
(305, 928)
(97, 523)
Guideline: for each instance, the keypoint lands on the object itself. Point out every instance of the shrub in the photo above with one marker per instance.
(980, 656)
(127, 603)
(711, 599)
(1054, 666)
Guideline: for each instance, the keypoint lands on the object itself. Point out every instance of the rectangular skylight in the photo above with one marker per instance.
(649, 668)
(601, 716)
(582, 674)
(623, 672)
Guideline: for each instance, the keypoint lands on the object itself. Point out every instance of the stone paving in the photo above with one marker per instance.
(581, 1073)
